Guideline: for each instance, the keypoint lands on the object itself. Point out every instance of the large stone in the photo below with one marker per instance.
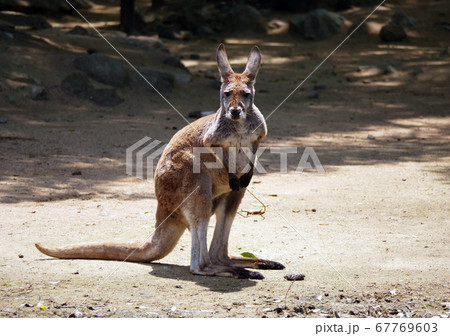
(6, 26)
(145, 43)
(320, 24)
(392, 32)
(174, 62)
(366, 3)
(306, 6)
(106, 97)
(37, 92)
(362, 31)
(162, 80)
(243, 18)
(23, 20)
(403, 20)
(78, 30)
(297, 24)
(102, 68)
(317, 25)
(43, 5)
(79, 85)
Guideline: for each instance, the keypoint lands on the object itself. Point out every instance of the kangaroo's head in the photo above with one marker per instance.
(237, 91)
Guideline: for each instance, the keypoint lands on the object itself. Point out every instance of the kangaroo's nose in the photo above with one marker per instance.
(235, 112)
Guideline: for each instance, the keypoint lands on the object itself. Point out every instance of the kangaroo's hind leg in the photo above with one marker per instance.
(225, 213)
(197, 214)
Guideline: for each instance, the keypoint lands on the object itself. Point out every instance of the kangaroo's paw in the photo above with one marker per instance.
(269, 264)
(228, 272)
(255, 263)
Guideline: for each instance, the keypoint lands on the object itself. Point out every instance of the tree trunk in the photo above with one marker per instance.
(127, 16)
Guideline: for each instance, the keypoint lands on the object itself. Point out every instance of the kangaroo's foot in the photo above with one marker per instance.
(227, 271)
(250, 263)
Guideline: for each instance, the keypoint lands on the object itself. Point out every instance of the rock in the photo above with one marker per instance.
(370, 137)
(43, 5)
(76, 314)
(389, 70)
(77, 84)
(444, 53)
(392, 32)
(37, 92)
(319, 87)
(395, 29)
(3, 121)
(6, 26)
(295, 276)
(362, 31)
(204, 30)
(25, 21)
(318, 25)
(78, 30)
(443, 25)
(175, 62)
(161, 80)
(306, 6)
(242, 18)
(145, 43)
(321, 24)
(314, 94)
(416, 71)
(296, 25)
(403, 20)
(183, 78)
(170, 34)
(106, 97)
(366, 3)
(102, 68)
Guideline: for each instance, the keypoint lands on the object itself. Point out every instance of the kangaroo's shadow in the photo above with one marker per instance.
(214, 283)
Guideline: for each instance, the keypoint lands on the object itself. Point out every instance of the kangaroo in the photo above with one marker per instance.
(187, 199)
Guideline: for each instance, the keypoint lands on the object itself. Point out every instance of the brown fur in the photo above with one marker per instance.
(187, 199)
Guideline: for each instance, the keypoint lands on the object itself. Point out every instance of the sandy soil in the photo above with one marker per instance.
(371, 233)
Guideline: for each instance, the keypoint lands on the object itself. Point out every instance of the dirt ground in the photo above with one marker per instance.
(371, 234)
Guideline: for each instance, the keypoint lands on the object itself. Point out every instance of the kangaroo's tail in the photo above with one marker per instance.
(160, 244)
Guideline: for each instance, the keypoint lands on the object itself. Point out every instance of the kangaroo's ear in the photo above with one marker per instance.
(253, 63)
(222, 62)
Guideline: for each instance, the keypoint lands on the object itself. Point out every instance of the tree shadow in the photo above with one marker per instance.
(46, 145)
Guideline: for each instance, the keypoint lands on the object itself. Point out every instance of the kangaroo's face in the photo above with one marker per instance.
(237, 91)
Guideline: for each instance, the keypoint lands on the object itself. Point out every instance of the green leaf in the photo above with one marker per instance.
(248, 255)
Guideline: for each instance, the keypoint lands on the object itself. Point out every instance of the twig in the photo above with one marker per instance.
(285, 297)
(253, 212)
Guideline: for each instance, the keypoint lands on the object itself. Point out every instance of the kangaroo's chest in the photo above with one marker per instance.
(238, 151)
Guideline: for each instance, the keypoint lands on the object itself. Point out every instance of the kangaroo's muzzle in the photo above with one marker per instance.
(235, 113)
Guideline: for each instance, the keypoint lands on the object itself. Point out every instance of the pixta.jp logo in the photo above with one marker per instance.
(142, 157)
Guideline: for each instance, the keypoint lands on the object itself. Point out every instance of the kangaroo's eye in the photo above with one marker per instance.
(246, 94)
(227, 93)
